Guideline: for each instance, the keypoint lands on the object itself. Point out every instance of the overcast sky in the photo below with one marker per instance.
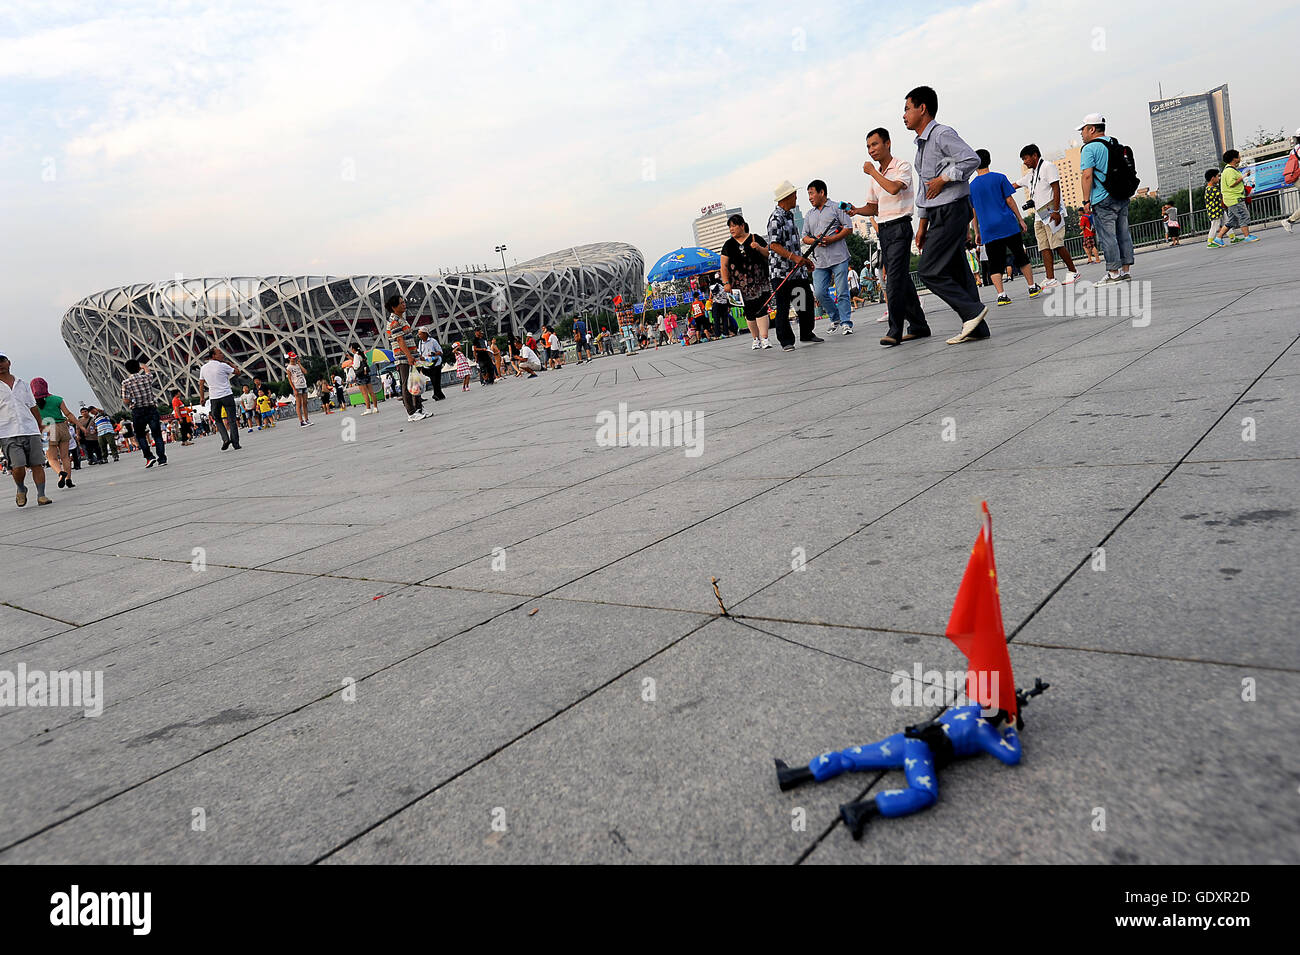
(142, 140)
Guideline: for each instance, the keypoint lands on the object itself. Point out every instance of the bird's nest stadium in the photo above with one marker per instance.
(257, 321)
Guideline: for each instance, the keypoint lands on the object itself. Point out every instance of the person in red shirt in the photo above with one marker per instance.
(182, 415)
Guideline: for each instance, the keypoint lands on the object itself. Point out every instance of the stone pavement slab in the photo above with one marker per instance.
(837, 520)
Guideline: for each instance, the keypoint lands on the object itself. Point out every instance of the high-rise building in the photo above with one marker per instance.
(1067, 164)
(1196, 127)
(710, 227)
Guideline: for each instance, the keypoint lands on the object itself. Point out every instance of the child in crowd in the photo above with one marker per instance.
(1213, 205)
(462, 366)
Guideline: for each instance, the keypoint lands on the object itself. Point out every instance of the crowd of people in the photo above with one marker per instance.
(969, 233)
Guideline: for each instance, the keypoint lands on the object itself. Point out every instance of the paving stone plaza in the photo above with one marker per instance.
(485, 637)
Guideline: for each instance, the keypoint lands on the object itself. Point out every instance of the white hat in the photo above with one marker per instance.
(784, 189)
(1093, 119)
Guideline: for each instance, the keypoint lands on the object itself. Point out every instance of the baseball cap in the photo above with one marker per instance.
(1093, 119)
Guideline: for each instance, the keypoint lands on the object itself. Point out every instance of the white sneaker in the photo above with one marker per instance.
(1286, 224)
(884, 317)
(766, 343)
(1049, 283)
(1070, 278)
(846, 329)
(756, 346)
(414, 417)
(366, 412)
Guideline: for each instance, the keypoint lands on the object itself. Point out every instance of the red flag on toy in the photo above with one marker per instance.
(976, 627)
(618, 300)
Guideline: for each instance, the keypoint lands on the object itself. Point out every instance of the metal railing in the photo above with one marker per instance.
(1270, 207)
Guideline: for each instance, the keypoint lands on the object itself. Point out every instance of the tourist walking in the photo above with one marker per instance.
(214, 378)
(744, 269)
(140, 394)
(104, 432)
(789, 270)
(943, 164)
(831, 256)
(182, 416)
(1213, 205)
(999, 225)
(57, 421)
(1170, 214)
(1236, 214)
(1043, 183)
(891, 201)
(1290, 176)
(20, 435)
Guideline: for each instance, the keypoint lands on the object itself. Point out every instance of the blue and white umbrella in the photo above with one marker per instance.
(684, 263)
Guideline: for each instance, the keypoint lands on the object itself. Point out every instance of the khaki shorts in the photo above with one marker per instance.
(58, 433)
(23, 451)
(1047, 239)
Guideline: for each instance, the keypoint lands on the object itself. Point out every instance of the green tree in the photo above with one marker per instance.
(859, 251)
(1144, 209)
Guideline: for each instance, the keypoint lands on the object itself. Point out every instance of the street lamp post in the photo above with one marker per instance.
(1191, 204)
(510, 298)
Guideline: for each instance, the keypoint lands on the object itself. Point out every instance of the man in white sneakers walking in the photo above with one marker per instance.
(214, 378)
(20, 435)
(1042, 181)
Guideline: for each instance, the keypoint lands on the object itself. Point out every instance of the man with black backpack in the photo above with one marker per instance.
(1109, 179)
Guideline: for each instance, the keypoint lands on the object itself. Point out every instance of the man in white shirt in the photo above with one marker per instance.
(557, 353)
(214, 377)
(891, 199)
(1043, 182)
(529, 361)
(20, 435)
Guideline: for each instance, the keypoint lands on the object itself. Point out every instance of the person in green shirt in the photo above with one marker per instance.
(1235, 212)
(56, 419)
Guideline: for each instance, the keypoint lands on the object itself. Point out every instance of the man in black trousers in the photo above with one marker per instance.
(783, 258)
(943, 164)
(890, 199)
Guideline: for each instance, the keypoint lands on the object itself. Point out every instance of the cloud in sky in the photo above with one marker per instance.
(400, 137)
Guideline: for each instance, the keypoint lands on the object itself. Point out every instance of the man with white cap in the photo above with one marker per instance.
(1110, 212)
(1293, 162)
(788, 271)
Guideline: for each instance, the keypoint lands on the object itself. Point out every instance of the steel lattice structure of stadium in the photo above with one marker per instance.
(257, 320)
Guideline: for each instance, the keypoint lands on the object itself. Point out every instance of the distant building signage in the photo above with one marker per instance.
(1167, 104)
(716, 207)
